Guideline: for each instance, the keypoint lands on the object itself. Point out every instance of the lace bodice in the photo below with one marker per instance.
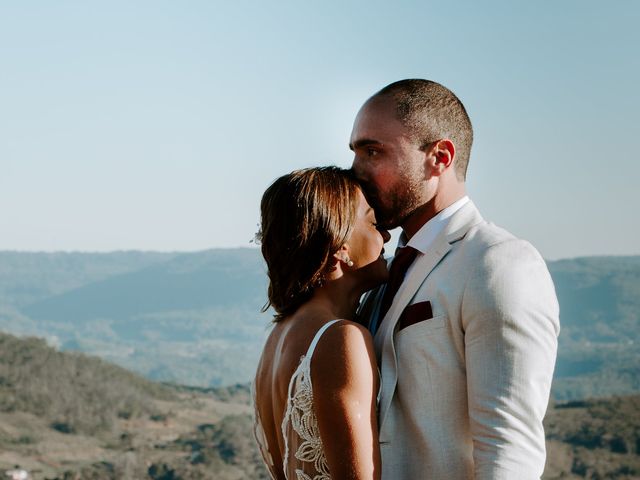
(304, 457)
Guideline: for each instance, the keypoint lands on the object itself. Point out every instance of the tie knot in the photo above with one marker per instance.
(403, 258)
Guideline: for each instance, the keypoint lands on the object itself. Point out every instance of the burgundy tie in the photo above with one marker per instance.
(401, 262)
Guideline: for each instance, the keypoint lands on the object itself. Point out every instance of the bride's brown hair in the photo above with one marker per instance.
(306, 216)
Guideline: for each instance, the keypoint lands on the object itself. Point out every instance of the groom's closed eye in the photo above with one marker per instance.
(365, 144)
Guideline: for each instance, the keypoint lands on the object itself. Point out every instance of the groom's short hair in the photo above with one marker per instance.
(432, 112)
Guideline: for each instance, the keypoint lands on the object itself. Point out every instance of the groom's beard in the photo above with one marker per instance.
(394, 207)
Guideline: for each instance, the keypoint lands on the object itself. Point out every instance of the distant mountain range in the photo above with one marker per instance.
(188, 318)
(598, 352)
(194, 318)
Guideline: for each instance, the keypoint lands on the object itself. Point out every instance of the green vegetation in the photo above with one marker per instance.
(594, 439)
(66, 416)
(229, 442)
(193, 319)
(63, 388)
(72, 416)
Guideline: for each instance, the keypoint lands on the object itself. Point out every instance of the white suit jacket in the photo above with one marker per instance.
(464, 392)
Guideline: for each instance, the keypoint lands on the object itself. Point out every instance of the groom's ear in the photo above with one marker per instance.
(441, 156)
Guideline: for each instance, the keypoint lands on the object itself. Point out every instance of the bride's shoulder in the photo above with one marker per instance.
(343, 367)
(348, 330)
(344, 342)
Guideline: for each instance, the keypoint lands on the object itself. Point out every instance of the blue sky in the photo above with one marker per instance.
(158, 125)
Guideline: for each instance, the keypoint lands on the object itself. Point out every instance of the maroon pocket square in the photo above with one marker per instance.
(412, 314)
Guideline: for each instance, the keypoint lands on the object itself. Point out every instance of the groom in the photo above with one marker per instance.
(466, 328)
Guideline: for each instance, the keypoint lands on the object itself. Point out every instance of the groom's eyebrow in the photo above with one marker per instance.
(365, 142)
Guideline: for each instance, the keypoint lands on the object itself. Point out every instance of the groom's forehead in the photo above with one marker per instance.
(379, 106)
(376, 119)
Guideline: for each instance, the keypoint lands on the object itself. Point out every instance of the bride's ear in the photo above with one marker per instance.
(342, 255)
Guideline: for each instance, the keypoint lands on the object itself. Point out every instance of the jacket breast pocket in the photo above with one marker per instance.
(429, 326)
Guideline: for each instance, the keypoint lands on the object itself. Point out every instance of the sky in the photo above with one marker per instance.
(157, 125)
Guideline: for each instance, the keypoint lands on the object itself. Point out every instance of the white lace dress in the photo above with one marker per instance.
(304, 457)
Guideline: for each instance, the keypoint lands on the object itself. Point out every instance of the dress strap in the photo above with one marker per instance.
(306, 359)
(316, 339)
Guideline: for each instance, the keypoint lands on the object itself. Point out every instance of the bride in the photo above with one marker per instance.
(316, 384)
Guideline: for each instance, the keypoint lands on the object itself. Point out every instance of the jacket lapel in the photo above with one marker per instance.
(407, 290)
(458, 226)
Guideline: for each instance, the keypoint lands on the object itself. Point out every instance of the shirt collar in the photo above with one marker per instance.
(423, 238)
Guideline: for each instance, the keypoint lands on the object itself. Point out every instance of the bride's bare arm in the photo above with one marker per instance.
(345, 385)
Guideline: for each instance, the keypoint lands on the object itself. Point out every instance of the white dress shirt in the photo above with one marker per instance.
(424, 237)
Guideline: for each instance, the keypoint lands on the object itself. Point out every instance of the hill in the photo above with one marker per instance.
(69, 415)
(195, 318)
(598, 438)
(27, 277)
(61, 387)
